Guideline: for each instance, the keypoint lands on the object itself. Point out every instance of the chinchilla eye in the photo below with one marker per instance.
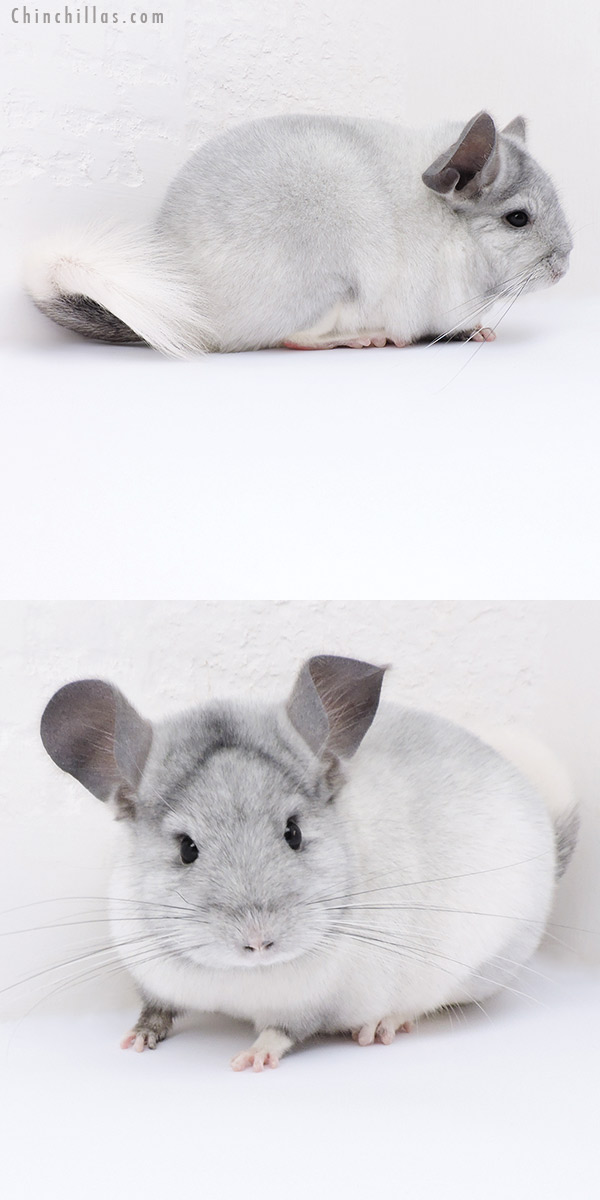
(292, 835)
(188, 850)
(518, 218)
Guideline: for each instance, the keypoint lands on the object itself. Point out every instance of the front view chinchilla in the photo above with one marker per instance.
(312, 232)
(323, 865)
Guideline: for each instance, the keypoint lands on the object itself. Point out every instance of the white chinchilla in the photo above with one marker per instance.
(319, 866)
(315, 232)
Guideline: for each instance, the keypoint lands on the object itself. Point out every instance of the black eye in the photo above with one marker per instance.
(188, 850)
(293, 835)
(518, 219)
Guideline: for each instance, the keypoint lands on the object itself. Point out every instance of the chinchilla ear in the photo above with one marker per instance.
(517, 128)
(91, 731)
(469, 164)
(334, 702)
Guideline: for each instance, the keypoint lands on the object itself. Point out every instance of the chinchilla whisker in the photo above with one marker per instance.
(512, 292)
(372, 929)
(389, 945)
(504, 313)
(88, 951)
(470, 316)
(560, 941)
(38, 978)
(574, 928)
(108, 919)
(510, 296)
(462, 912)
(91, 972)
(423, 882)
(454, 1012)
(490, 295)
(144, 957)
(413, 954)
(491, 299)
(109, 948)
(113, 965)
(97, 899)
(99, 971)
(44, 999)
(457, 1012)
(524, 967)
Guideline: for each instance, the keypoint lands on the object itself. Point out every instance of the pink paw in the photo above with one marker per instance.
(483, 335)
(140, 1039)
(256, 1059)
(357, 343)
(320, 346)
(360, 342)
(383, 1031)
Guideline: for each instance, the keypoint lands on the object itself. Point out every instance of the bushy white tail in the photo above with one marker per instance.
(549, 777)
(116, 285)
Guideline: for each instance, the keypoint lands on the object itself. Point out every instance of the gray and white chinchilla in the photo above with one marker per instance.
(323, 865)
(315, 232)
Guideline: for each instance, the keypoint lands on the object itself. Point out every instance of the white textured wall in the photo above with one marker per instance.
(97, 118)
(537, 664)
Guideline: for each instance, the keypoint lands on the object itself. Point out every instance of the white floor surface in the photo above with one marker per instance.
(454, 470)
(503, 1105)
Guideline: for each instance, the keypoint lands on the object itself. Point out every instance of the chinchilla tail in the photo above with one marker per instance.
(119, 286)
(566, 832)
(550, 779)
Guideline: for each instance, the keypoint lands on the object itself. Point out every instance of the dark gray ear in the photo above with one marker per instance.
(469, 164)
(91, 731)
(333, 703)
(517, 128)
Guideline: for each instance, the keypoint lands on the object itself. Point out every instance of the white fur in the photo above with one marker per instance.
(536, 761)
(129, 274)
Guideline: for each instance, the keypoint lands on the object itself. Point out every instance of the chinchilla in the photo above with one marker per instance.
(321, 865)
(313, 232)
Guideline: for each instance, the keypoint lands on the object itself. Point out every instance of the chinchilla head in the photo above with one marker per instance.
(491, 181)
(234, 834)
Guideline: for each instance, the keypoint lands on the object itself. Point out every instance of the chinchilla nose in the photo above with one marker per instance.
(258, 940)
(559, 263)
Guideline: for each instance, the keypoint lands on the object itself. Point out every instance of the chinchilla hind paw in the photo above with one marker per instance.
(383, 1031)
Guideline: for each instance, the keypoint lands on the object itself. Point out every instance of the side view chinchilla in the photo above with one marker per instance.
(313, 232)
(319, 866)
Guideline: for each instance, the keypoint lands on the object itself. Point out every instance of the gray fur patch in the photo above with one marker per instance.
(566, 832)
(211, 731)
(86, 317)
(154, 1023)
